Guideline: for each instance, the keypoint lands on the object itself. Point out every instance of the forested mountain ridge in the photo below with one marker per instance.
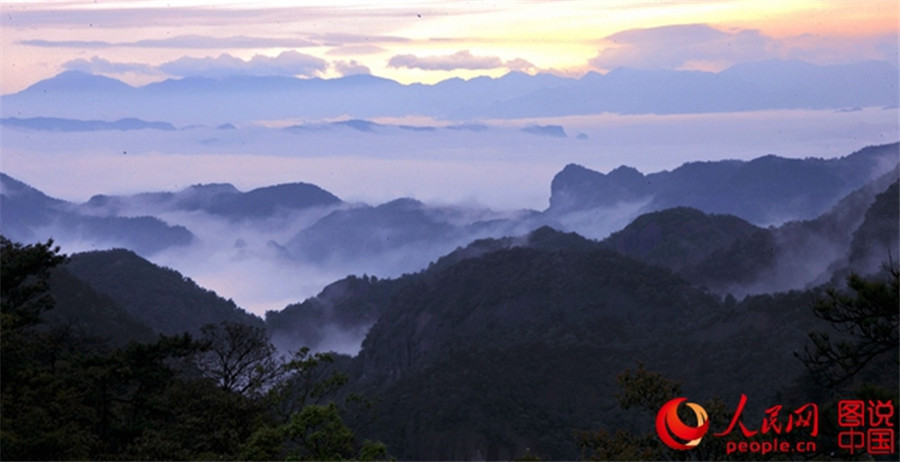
(679, 237)
(341, 314)
(161, 298)
(530, 284)
(727, 254)
(503, 344)
(303, 222)
(337, 319)
(29, 214)
(82, 311)
(878, 232)
(221, 200)
(70, 392)
(515, 343)
(766, 190)
(721, 253)
(524, 336)
(519, 347)
(454, 343)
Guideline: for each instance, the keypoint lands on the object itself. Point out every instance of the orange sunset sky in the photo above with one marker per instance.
(145, 41)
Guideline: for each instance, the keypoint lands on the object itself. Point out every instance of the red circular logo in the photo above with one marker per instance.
(669, 426)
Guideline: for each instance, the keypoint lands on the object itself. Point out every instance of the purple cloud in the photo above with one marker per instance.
(341, 39)
(351, 67)
(182, 41)
(98, 65)
(288, 63)
(355, 50)
(460, 60)
(681, 46)
(520, 65)
(672, 47)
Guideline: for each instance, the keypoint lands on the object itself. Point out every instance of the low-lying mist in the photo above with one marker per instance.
(489, 183)
(500, 168)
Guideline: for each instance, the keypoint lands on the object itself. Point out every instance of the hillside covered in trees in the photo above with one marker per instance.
(539, 343)
(505, 348)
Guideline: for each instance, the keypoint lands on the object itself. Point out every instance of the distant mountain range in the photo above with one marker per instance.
(403, 228)
(764, 191)
(221, 200)
(29, 215)
(744, 87)
(729, 255)
(406, 234)
(720, 253)
(69, 125)
(524, 335)
(487, 334)
(56, 124)
(514, 343)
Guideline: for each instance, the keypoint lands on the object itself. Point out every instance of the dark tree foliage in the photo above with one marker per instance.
(220, 397)
(317, 433)
(237, 357)
(869, 319)
(648, 391)
(312, 382)
(645, 389)
(28, 360)
(308, 423)
(162, 298)
(24, 276)
(642, 389)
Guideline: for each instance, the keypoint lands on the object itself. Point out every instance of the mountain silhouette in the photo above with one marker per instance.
(509, 346)
(729, 255)
(763, 191)
(214, 101)
(70, 125)
(755, 86)
(527, 341)
(678, 238)
(161, 298)
(221, 200)
(30, 215)
(85, 311)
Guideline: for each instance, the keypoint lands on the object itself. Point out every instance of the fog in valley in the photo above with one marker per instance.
(448, 230)
(499, 167)
(494, 173)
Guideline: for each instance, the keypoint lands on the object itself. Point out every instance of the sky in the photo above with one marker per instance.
(143, 41)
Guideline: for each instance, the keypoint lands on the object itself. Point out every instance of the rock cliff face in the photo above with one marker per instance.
(763, 191)
(876, 239)
(578, 188)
